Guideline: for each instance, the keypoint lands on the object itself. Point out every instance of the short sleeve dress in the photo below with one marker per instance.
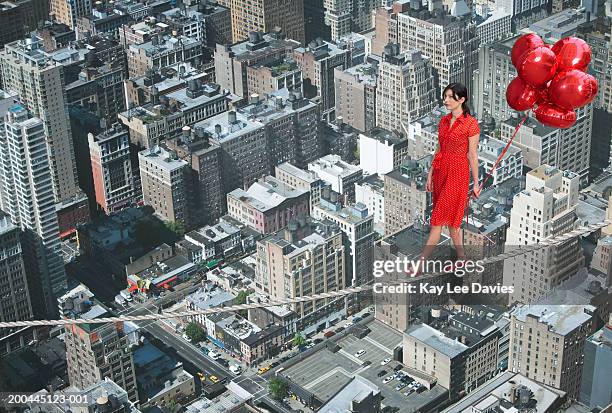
(451, 170)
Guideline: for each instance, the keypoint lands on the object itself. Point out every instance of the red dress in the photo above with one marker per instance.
(451, 170)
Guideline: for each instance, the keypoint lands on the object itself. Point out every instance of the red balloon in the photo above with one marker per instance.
(543, 96)
(523, 44)
(537, 66)
(521, 96)
(554, 116)
(572, 89)
(572, 53)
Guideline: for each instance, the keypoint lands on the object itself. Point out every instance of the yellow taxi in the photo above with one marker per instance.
(214, 379)
(262, 370)
(201, 376)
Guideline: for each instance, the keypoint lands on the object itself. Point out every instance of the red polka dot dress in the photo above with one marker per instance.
(451, 170)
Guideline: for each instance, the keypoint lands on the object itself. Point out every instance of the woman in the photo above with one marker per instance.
(449, 175)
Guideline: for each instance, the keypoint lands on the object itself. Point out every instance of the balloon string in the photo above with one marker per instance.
(499, 158)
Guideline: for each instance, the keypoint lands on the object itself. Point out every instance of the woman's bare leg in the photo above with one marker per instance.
(457, 238)
(432, 241)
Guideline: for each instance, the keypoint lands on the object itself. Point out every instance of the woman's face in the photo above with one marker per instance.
(449, 101)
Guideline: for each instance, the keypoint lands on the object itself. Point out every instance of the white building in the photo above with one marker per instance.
(298, 178)
(27, 193)
(497, 24)
(339, 174)
(381, 151)
(371, 193)
(511, 165)
(545, 208)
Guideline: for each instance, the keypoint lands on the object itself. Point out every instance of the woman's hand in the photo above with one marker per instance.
(429, 184)
(476, 190)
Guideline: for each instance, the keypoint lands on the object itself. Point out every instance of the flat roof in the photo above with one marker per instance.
(436, 340)
(562, 319)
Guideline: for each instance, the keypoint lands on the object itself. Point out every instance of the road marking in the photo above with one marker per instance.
(326, 376)
(377, 344)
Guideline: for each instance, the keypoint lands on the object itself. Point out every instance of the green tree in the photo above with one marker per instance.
(278, 388)
(241, 298)
(176, 226)
(195, 332)
(299, 340)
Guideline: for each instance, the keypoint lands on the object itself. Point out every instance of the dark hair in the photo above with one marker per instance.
(459, 91)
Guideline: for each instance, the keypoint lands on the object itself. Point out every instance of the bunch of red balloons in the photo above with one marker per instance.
(551, 77)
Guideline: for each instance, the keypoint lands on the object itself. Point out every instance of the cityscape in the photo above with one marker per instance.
(210, 206)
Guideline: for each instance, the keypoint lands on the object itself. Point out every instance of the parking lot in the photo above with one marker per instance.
(324, 373)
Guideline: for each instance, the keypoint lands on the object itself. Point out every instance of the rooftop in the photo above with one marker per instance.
(561, 319)
(559, 25)
(497, 390)
(203, 299)
(259, 44)
(436, 340)
(333, 165)
(366, 73)
(162, 158)
(308, 176)
(267, 193)
(357, 389)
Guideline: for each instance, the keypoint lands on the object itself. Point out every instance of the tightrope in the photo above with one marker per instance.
(548, 242)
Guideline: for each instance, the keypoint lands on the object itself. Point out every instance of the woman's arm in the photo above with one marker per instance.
(473, 158)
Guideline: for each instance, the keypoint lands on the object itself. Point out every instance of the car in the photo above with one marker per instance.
(350, 323)
(274, 364)
(339, 329)
(356, 319)
(398, 374)
(388, 379)
(213, 355)
(400, 386)
(201, 376)
(382, 373)
(263, 370)
(310, 345)
(186, 338)
(385, 361)
(329, 334)
(214, 379)
(236, 369)
(318, 340)
(366, 314)
(409, 391)
(360, 353)
(398, 367)
(223, 362)
(366, 363)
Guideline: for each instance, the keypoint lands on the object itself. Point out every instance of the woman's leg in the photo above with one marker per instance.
(432, 242)
(457, 238)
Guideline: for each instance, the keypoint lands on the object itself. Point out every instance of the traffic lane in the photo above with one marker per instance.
(188, 352)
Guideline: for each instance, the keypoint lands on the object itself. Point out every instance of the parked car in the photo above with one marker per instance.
(263, 370)
(317, 340)
(329, 334)
(350, 323)
(339, 329)
(356, 319)
(398, 367)
(409, 391)
(400, 386)
(214, 379)
(387, 379)
(213, 355)
(236, 369)
(360, 353)
(382, 373)
(366, 314)
(385, 361)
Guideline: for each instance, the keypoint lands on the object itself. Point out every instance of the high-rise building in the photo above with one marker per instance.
(524, 13)
(265, 16)
(233, 61)
(358, 228)
(449, 40)
(207, 192)
(356, 95)
(345, 16)
(405, 89)
(314, 21)
(597, 35)
(318, 61)
(27, 196)
(16, 303)
(165, 184)
(545, 208)
(595, 386)
(18, 17)
(303, 259)
(406, 201)
(95, 352)
(39, 82)
(381, 151)
(68, 11)
(547, 344)
(112, 169)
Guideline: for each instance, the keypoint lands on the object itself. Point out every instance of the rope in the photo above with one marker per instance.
(560, 239)
(499, 158)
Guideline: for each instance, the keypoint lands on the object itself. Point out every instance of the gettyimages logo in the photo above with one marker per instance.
(415, 268)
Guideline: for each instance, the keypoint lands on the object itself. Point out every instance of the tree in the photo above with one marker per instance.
(278, 388)
(194, 332)
(299, 340)
(176, 226)
(241, 298)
